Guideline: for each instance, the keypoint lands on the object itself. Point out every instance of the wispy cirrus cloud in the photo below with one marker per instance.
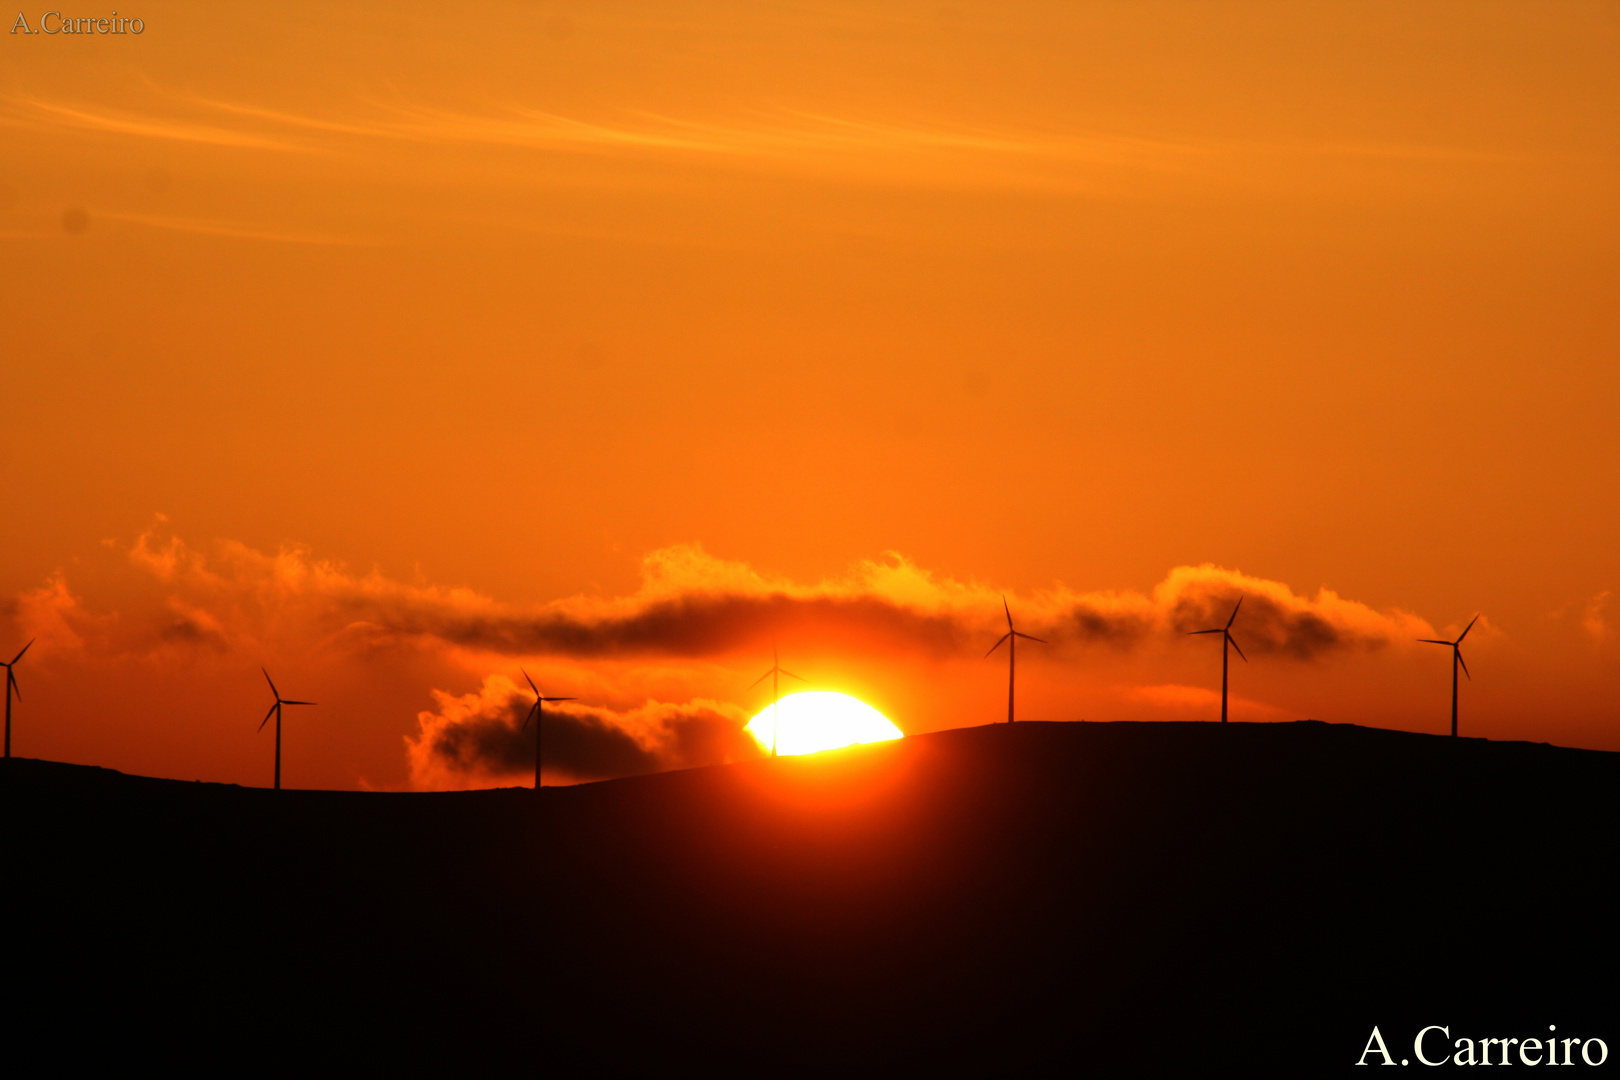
(884, 147)
(236, 230)
(36, 112)
(782, 134)
(909, 150)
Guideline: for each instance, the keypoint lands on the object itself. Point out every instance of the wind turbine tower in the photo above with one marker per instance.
(1456, 662)
(775, 674)
(537, 712)
(11, 684)
(275, 710)
(1011, 638)
(1226, 639)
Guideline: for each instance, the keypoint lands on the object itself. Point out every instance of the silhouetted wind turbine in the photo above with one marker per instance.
(1226, 639)
(276, 711)
(11, 684)
(1456, 661)
(536, 712)
(1011, 638)
(775, 674)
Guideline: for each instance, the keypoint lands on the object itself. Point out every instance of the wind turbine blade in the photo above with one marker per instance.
(1008, 610)
(1464, 664)
(272, 683)
(561, 699)
(268, 715)
(1467, 628)
(1030, 637)
(1217, 630)
(530, 681)
(12, 680)
(1233, 640)
(1235, 607)
(299, 703)
(532, 710)
(1435, 641)
(997, 645)
(30, 645)
(762, 678)
(790, 675)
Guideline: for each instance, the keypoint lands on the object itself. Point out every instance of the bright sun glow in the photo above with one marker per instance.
(813, 720)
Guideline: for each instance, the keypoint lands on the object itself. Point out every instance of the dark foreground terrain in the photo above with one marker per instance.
(1103, 897)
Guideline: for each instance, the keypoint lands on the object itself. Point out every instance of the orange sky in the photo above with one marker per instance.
(395, 348)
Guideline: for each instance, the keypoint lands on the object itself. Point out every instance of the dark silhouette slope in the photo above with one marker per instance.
(1136, 896)
(1133, 895)
(228, 927)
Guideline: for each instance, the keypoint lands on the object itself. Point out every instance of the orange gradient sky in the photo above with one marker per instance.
(397, 347)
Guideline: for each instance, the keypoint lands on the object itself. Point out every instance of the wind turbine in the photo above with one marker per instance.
(775, 674)
(1011, 638)
(276, 711)
(1456, 662)
(536, 713)
(11, 684)
(1226, 639)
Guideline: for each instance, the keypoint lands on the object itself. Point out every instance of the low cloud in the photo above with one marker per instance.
(53, 618)
(648, 666)
(1592, 618)
(692, 605)
(1273, 619)
(480, 739)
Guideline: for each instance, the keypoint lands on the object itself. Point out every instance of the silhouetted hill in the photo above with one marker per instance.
(1144, 897)
(229, 927)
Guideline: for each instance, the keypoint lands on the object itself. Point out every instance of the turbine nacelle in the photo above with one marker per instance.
(11, 676)
(1011, 631)
(280, 701)
(1456, 646)
(1226, 631)
(1011, 639)
(539, 701)
(776, 669)
(1226, 639)
(1457, 661)
(12, 687)
(536, 712)
(275, 711)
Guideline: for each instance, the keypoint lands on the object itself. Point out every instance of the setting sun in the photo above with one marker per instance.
(815, 720)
